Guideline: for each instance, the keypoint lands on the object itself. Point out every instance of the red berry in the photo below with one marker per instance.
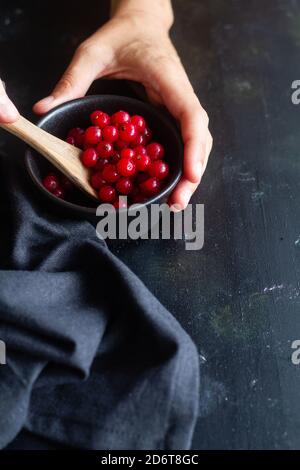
(120, 144)
(92, 135)
(51, 183)
(100, 119)
(110, 133)
(150, 187)
(70, 140)
(107, 193)
(77, 133)
(127, 132)
(126, 167)
(120, 117)
(124, 185)
(147, 134)
(140, 150)
(155, 151)
(101, 164)
(127, 153)
(97, 181)
(139, 122)
(59, 192)
(105, 149)
(139, 140)
(142, 162)
(89, 157)
(159, 169)
(120, 203)
(110, 173)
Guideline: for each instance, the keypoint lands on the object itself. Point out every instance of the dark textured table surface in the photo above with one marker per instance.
(238, 297)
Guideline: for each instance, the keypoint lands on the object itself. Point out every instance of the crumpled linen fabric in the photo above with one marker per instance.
(94, 361)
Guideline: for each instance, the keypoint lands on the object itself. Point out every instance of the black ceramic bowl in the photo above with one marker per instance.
(76, 113)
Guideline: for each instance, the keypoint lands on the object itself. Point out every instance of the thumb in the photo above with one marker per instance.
(8, 111)
(76, 80)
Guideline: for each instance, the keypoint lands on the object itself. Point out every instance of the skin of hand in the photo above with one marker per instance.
(8, 111)
(135, 48)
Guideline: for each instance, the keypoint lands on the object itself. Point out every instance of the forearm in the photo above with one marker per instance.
(160, 10)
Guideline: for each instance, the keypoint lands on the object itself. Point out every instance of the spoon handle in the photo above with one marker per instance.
(28, 132)
(48, 145)
(62, 155)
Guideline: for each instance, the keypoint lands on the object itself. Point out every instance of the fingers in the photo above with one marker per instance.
(195, 161)
(197, 140)
(184, 190)
(83, 69)
(154, 97)
(8, 111)
(179, 98)
(182, 194)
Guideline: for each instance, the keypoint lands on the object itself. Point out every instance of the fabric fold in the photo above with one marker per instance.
(94, 360)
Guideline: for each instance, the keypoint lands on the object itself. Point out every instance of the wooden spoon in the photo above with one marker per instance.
(64, 156)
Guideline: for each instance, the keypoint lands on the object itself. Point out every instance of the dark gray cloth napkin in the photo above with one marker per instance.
(94, 361)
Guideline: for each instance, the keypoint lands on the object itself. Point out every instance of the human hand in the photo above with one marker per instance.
(8, 111)
(136, 48)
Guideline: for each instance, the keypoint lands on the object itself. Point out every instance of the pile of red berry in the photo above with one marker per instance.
(58, 184)
(121, 156)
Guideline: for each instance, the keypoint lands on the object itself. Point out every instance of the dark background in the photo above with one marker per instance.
(239, 296)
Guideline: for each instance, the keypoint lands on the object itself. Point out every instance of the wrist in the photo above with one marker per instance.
(144, 12)
(127, 31)
(123, 30)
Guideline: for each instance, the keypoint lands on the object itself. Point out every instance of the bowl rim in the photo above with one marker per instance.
(160, 113)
